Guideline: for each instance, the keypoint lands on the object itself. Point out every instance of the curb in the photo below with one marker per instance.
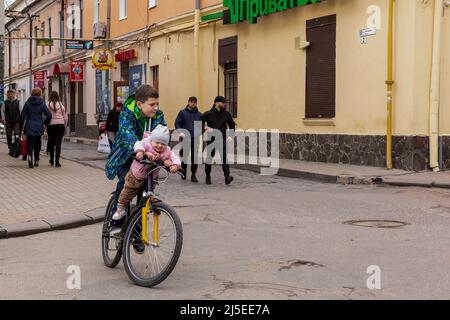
(65, 222)
(431, 184)
(311, 176)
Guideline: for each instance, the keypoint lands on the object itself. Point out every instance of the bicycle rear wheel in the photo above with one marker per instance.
(111, 245)
(149, 265)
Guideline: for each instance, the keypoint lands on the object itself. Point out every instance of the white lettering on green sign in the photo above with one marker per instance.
(250, 10)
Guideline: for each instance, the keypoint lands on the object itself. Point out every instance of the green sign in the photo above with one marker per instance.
(240, 10)
(44, 42)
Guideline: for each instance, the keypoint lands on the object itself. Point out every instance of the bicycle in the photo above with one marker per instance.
(151, 230)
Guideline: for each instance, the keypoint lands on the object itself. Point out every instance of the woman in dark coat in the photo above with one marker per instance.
(34, 116)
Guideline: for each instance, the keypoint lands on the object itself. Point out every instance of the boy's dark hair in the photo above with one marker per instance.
(192, 99)
(11, 91)
(145, 92)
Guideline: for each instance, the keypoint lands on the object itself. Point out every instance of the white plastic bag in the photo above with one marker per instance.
(103, 144)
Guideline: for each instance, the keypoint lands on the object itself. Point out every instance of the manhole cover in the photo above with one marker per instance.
(388, 224)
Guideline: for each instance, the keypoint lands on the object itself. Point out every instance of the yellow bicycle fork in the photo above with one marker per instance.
(145, 213)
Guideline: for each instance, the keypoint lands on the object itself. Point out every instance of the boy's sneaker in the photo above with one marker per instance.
(120, 213)
(208, 180)
(194, 178)
(228, 180)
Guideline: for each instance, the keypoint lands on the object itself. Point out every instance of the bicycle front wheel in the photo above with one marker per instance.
(147, 265)
(111, 245)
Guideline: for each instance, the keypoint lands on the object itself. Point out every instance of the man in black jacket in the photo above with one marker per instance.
(12, 116)
(220, 119)
(186, 120)
(112, 123)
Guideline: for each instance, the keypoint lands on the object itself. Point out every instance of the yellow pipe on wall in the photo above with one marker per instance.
(435, 86)
(390, 85)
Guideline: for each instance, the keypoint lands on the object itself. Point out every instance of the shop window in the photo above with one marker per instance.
(321, 68)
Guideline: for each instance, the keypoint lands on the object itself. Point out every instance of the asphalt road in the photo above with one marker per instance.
(261, 238)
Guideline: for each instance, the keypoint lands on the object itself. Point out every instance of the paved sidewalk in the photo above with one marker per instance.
(47, 198)
(316, 171)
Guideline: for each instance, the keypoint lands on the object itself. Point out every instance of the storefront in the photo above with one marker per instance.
(317, 72)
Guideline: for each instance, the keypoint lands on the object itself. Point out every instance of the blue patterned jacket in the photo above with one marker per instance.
(131, 130)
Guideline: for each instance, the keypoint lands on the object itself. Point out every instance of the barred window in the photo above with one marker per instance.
(231, 87)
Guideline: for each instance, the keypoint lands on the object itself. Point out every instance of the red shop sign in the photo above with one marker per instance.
(126, 55)
(39, 79)
(77, 71)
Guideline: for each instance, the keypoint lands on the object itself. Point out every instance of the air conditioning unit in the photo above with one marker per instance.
(99, 30)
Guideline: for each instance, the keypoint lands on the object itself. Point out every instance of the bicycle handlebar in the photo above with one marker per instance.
(159, 164)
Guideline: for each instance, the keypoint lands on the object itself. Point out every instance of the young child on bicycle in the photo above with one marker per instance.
(155, 147)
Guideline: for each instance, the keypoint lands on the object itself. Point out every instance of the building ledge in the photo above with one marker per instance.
(319, 122)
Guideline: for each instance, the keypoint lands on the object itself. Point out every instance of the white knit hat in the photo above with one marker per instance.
(160, 134)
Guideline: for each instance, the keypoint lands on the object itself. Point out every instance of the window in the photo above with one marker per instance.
(151, 4)
(228, 59)
(231, 87)
(321, 68)
(61, 31)
(43, 36)
(81, 18)
(35, 42)
(49, 34)
(96, 11)
(25, 48)
(123, 9)
(155, 77)
(19, 50)
(13, 53)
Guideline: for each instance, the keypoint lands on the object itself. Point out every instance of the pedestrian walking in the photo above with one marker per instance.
(220, 119)
(34, 116)
(56, 128)
(186, 120)
(11, 111)
(112, 123)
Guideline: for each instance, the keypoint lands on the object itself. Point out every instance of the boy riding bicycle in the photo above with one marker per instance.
(140, 114)
(154, 147)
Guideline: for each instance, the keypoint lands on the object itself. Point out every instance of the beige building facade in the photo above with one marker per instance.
(317, 72)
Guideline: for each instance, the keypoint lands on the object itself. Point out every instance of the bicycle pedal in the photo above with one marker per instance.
(114, 232)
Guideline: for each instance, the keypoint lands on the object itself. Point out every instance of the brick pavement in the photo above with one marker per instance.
(46, 192)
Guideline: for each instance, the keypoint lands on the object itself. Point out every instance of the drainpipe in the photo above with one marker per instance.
(390, 85)
(196, 48)
(30, 17)
(435, 86)
(108, 46)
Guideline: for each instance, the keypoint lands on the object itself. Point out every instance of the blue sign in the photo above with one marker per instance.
(99, 92)
(138, 75)
(136, 78)
(79, 44)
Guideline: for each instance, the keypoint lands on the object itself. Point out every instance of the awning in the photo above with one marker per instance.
(58, 69)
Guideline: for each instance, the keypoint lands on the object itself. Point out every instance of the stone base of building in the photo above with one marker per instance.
(409, 153)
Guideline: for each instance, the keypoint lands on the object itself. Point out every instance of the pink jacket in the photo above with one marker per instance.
(139, 170)
(59, 115)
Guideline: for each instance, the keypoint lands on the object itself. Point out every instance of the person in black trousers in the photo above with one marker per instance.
(185, 120)
(220, 119)
(12, 117)
(112, 123)
(56, 128)
(34, 116)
